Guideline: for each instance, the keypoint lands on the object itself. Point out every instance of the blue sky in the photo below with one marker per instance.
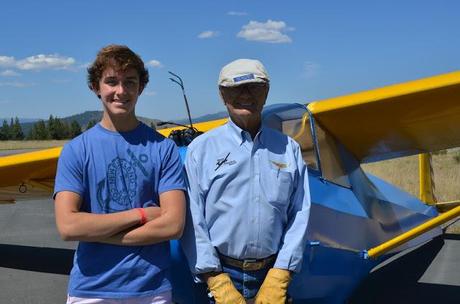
(311, 49)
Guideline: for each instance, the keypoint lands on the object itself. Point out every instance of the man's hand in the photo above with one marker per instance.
(274, 287)
(223, 290)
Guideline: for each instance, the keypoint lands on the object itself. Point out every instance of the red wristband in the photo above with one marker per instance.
(143, 219)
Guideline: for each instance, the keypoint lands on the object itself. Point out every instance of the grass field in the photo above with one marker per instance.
(403, 172)
(30, 144)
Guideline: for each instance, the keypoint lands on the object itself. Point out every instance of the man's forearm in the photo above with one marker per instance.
(89, 227)
(165, 227)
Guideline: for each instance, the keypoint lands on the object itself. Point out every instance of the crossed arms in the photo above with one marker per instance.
(121, 228)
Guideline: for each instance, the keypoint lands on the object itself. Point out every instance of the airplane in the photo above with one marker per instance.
(357, 220)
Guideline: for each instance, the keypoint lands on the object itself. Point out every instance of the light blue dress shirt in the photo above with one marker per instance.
(248, 198)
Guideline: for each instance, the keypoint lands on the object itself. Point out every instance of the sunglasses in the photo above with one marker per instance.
(255, 89)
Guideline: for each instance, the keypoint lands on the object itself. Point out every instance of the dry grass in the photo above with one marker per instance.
(30, 144)
(403, 172)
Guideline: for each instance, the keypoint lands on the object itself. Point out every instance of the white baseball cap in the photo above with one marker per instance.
(242, 71)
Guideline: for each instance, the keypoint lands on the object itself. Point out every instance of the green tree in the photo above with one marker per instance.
(16, 130)
(74, 129)
(57, 129)
(51, 126)
(5, 131)
(39, 131)
(10, 136)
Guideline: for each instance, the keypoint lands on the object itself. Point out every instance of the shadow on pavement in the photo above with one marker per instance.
(40, 259)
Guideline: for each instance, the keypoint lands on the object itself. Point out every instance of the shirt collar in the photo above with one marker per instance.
(239, 134)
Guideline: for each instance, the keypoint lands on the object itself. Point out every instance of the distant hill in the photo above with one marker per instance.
(83, 119)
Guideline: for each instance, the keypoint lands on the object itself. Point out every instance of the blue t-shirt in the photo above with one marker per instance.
(112, 172)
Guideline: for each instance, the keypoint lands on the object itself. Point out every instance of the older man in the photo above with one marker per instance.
(249, 197)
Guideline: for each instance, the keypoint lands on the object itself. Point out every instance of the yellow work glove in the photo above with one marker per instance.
(274, 288)
(223, 290)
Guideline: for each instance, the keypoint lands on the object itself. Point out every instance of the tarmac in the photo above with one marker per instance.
(35, 262)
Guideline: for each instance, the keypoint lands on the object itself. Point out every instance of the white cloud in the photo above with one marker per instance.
(41, 61)
(15, 84)
(38, 62)
(150, 93)
(208, 34)
(9, 73)
(311, 69)
(233, 13)
(154, 64)
(6, 61)
(270, 31)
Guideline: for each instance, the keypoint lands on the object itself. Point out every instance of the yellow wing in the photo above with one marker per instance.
(28, 175)
(397, 120)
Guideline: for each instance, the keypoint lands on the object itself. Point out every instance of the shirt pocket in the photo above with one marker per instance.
(277, 186)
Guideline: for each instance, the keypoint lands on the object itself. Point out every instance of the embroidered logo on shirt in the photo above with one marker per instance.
(224, 160)
(279, 165)
(121, 182)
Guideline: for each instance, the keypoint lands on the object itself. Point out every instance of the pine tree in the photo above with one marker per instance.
(51, 126)
(39, 131)
(16, 130)
(5, 131)
(74, 129)
(10, 129)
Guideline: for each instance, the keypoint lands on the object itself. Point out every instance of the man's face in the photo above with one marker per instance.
(245, 101)
(119, 90)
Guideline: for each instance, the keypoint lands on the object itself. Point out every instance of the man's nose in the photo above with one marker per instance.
(121, 89)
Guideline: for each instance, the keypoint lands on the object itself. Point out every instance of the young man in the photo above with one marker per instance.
(249, 198)
(120, 192)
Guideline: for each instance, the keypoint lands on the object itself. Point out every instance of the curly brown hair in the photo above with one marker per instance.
(119, 57)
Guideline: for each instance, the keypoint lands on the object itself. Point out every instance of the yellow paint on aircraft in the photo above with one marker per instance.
(201, 126)
(401, 119)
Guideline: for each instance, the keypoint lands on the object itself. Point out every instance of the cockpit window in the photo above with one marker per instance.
(331, 163)
(292, 120)
(299, 130)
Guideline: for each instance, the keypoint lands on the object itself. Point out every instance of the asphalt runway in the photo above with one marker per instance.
(34, 264)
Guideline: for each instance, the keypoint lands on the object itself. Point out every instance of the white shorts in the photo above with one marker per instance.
(162, 298)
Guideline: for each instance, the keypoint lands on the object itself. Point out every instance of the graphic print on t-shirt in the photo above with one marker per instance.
(121, 182)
